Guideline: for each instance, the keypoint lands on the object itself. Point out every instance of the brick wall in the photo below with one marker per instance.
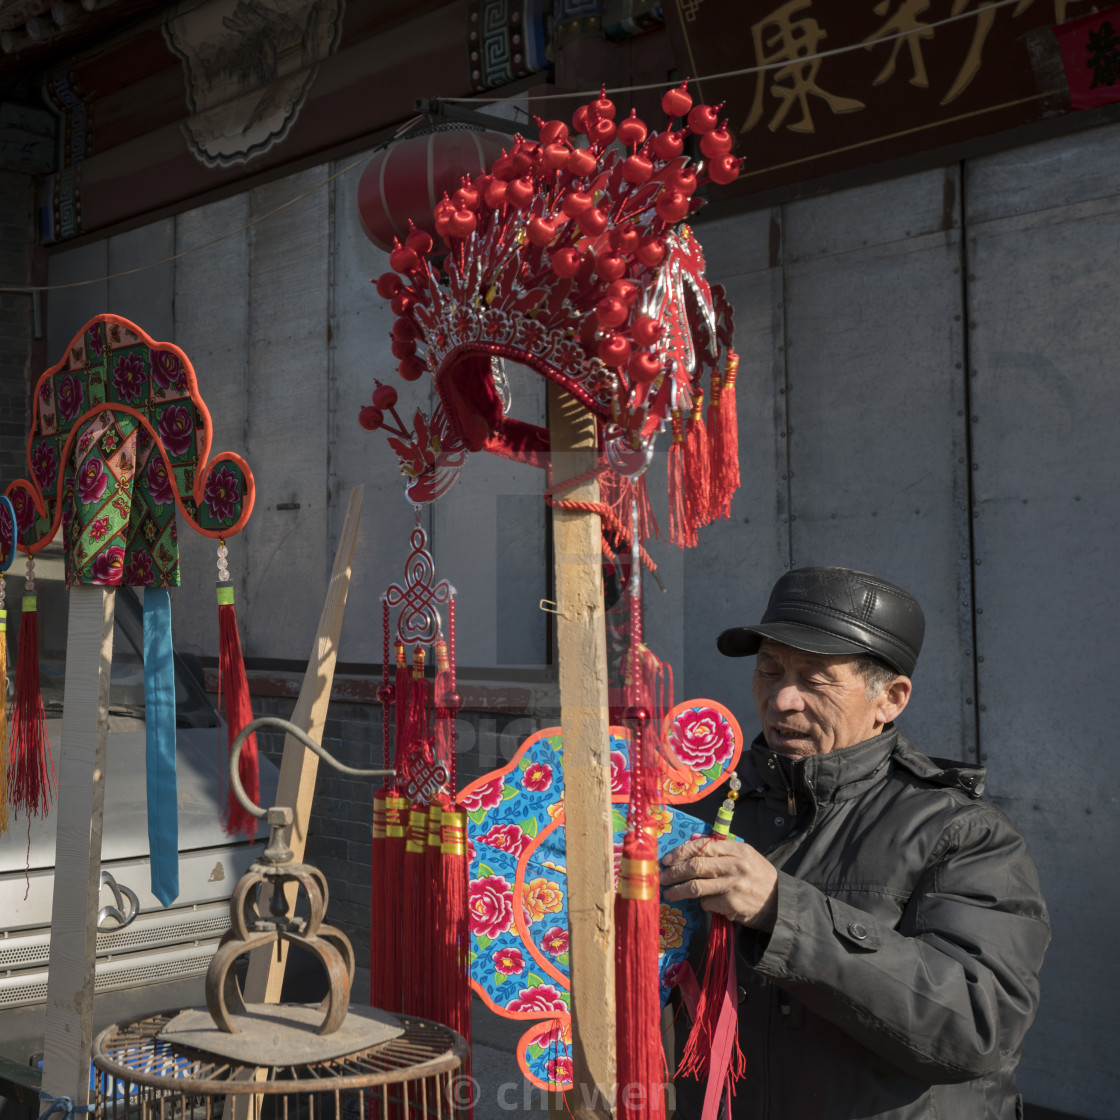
(17, 236)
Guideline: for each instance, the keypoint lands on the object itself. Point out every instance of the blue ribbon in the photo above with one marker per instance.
(64, 1105)
(159, 706)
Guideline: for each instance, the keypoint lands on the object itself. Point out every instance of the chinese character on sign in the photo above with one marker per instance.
(1090, 49)
(1104, 56)
(904, 24)
(781, 38)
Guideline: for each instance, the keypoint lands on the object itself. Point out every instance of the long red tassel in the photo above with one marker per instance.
(681, 532)
(239, 712)
(30, 765)
(718, 959)
(377, 925)
(641, 1061)
(723, 429)
(414, 916)
(392, 904)
(697, 467)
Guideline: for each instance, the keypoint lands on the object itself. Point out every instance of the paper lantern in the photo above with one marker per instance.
(408, 179)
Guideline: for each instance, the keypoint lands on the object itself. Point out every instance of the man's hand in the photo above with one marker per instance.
(729, 878)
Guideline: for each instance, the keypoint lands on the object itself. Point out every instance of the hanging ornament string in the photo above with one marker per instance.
(606, 514)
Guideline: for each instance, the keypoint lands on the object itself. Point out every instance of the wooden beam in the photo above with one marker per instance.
(68, 1036)
(584, 721)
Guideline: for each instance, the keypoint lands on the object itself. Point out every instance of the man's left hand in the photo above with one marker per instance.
(728, 877)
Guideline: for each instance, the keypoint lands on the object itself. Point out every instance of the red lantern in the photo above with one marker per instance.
(408, 179)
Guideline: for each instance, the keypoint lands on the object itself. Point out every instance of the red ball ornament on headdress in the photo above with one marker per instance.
(610, 266)
(388, 284)
(575, 203)
(643, 367)
(667, 145)
(602, 130)
(725, 169)
(636, 169)
(603, 106)
(611, 312)
(384, 396)
(411, 368)
(581, 118)
(566, 262)
(371, 418)
(553, 132)
(592, 221)
(554, 157)
(582, 162)
(677, 102)
(519, 192)
(402, 259)
(646, 330)
(614, 350)
(651, 252)
(703, 118)
(718, 142)
(632, 130)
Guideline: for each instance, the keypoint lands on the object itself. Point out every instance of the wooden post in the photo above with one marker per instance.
(68, 1037)
(584, 721)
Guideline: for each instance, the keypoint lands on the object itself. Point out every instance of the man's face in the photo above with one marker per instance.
(811, 703)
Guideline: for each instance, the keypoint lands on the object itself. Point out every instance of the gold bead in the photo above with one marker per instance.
(732, 795)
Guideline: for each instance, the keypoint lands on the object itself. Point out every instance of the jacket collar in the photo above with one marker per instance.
(840, 775)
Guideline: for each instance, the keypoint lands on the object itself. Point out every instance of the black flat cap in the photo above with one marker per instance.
(836, 611)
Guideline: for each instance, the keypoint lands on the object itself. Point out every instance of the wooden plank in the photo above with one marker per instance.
(582, 649)
(68, 1035)
(299, 766)
(298, 770)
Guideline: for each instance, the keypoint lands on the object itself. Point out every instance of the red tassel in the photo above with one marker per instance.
(239, 712)
(723, 429)
(697, 467)
(387, 952)
(680, 531)
(414, 916)
(641, 1061)
(434, 907)
(30, 765)
(718, 959)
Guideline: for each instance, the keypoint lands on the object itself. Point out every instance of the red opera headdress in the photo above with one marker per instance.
(575, 262)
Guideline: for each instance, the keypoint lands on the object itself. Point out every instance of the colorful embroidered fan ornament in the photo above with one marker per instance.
(573, 261)
(518, 956)
(120, 439)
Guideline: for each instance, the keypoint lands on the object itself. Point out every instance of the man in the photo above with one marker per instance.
(890, 925)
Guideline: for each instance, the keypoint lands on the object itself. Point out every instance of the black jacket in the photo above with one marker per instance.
(901, 974)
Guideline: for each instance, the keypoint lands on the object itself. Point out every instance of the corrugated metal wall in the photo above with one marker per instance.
(927, 391)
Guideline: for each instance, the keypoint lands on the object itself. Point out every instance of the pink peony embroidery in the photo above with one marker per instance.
(159, 481)
(71, 394)
(95, 344)
(490, 906)
(559, 1070)
(700, 738)
(98, 528)
(24, 507)
(555, 941)
(44, 466)
(167, 370)
(486, 796)
(139, 571)
(176, 429)
(508, 837)
(222, 494)
(537, 777)
(92, 481)
(129, 378)
(559, 1035)
(108, 567)
(544, 998)
(620, 776)
(509, 962)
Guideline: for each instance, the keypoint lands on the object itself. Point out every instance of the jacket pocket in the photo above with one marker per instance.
(855, 927)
